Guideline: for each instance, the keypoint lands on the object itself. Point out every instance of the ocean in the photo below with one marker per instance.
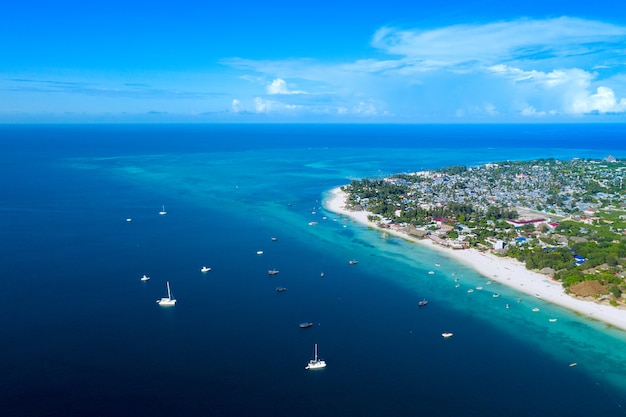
(82, 335)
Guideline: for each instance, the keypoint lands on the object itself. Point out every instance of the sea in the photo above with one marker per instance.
(82, 335)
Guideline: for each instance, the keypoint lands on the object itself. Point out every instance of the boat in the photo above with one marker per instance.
(508, 306)
(274, 239)
(353, 262)
(312, 223)
(422, 303)
(129, 219)
(145, 278)
(322, 275)
(470, 290)
(446, 335)
(431, 272)
(535, 309)
(273, 271)
(495, 295)
(205, 269)
(259, 252)
(551, 320)
(479, 288)
(305, 324)
(571, 365)
(167, 301)
(281, 289)
(316, 363)
(163, 212)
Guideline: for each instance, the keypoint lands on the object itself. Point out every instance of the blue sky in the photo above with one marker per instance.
(324, 61)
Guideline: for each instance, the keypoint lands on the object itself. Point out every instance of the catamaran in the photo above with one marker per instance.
(167, 301)
(316, 363)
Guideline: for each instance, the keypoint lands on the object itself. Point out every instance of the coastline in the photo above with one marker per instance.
(506, 271)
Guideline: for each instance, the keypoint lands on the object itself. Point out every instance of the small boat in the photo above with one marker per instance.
(479, 287)
(446, 335)
(551, 320)
(457, 285)
(431, 272)
(312, 223)
(495, 295)
(353, 262)
(508, 306)
(305, 324)
(316, 363)
(422, 303)
(145, 278)
(571, 365)
(470, 290)
(322, 275)
(163, 212)
(167, 301)
(129, 219)
(535, 309)
(259, 252)
(274, 239)
(273, 271)
(205, 269)
(437, 265)
(281, 289)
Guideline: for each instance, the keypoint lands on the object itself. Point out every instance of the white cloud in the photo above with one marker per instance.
(524, 67)
(279, 86)
(236, 106)
(531, 111)
(496, 42)
(261, 106)
(603, 101)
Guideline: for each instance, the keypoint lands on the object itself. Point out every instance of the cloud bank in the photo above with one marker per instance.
(510, 69)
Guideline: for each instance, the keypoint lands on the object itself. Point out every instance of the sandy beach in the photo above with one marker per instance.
(507, 271)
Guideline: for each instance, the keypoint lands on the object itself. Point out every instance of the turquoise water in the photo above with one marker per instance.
(86, 336)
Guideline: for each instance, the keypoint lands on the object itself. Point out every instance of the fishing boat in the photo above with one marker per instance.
(167, 301)
(316, 363)
(205, 269)
(163, 212)
(422, 303)
(145, 278)
(273, 271)
(305, 324)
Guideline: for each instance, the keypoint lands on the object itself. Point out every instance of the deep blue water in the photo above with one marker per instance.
(81, 335)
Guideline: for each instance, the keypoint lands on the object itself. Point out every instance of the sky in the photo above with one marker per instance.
(326, 61)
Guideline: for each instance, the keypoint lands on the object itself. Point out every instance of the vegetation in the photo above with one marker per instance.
(574, 220)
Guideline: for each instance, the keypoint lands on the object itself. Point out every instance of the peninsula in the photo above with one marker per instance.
(549, 228)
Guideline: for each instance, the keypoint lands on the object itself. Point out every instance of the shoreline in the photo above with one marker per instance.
(507, 271)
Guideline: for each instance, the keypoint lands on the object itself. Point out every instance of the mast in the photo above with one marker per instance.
(316, 352)
(169, 294)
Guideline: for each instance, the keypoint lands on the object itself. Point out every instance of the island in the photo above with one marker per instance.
(550, 228)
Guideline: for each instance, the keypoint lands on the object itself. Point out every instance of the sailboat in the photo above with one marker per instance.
(167, 301)
(163, 212)
(316, 363)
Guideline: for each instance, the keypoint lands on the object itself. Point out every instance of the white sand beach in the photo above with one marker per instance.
(507, 271)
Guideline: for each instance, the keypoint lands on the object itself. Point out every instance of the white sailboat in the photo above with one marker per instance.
(163, 212)
(167, 301)
(316, 363)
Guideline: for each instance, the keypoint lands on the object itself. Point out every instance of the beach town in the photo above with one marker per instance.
(490, 260)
